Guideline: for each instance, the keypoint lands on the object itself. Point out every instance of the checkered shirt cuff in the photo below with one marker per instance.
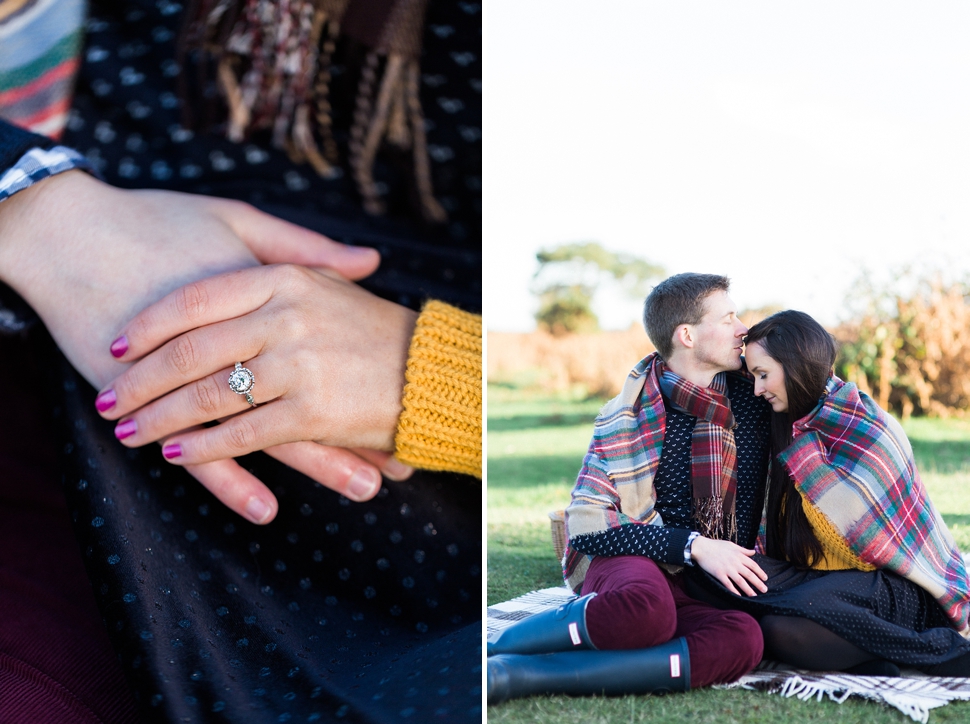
(38, 164)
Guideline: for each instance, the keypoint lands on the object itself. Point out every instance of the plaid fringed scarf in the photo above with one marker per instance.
(273, 64)
(615, 485)
(853, 462)
(714, 456)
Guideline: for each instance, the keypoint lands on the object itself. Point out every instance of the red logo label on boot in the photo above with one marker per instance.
(574, 634)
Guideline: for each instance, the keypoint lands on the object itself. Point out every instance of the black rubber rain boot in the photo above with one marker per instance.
(562, 629)
(656, 670)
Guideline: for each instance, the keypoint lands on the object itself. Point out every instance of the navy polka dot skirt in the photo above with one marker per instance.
(878, 611)
(336, 611)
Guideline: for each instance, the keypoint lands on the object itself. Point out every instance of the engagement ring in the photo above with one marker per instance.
(241, 381)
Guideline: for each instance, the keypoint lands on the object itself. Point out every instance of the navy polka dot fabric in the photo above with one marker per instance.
(878, 611)
(673, 484)
(336, 611)
(128, 120)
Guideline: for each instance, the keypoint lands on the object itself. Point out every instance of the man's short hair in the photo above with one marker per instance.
(675, 301)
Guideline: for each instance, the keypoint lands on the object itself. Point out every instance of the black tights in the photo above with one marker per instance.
(809, 645)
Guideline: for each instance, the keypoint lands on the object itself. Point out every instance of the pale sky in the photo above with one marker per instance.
(787, 145)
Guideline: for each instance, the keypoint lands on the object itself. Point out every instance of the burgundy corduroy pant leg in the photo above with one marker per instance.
(56, 663)
(638, 605)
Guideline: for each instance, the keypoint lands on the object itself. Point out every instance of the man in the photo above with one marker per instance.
(674, 477)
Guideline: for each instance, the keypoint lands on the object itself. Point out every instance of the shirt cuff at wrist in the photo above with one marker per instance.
(688, 559)
(37, 164)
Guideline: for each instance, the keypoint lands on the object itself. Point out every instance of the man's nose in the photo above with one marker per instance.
(741, 330)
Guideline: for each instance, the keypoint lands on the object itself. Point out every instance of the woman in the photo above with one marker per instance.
(863, 574)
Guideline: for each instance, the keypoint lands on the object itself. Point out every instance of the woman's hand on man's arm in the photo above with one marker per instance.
(88, 257)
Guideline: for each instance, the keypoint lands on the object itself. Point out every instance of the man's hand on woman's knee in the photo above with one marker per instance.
(730, 564)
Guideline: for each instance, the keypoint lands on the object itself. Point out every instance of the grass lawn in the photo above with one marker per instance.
(535, 447)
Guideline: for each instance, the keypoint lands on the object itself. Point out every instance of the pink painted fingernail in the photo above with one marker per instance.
(119, 346)
(172, 451)
(125, 428)
(257, 511)
(363, 484)
(396, 470)
(106, 400)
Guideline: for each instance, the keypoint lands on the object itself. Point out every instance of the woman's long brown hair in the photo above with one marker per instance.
(806, 353)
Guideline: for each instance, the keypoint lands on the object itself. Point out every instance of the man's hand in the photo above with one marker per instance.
(730, 564)
(88, 257)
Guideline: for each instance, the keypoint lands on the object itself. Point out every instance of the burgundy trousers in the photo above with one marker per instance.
(56, 664)
(638, 605)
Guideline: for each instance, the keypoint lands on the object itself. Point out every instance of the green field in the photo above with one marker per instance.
(535, 447)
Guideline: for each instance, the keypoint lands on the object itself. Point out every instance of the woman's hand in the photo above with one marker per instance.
(328, 360)
(730, 564)
(88, 257)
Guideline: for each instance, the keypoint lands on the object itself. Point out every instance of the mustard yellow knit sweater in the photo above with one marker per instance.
(441, 425)
(836, 554)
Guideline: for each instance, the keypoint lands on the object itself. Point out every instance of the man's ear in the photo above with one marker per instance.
(683, 336)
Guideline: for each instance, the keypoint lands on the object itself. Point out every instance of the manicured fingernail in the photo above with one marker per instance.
(396, 470)
(257, 511)
(125, 428)
(119, 346)
(363, 484)
(106, 400)
(172, 451)
(360, 250)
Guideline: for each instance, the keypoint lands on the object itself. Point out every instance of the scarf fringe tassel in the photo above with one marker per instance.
(273, 63)
(711, 520)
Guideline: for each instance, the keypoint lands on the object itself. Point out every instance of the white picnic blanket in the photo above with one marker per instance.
(914, 694)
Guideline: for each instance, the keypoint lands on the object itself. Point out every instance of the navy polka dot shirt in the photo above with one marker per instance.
(665, 544)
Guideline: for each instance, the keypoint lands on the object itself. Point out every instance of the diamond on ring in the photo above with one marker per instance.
(241, 381)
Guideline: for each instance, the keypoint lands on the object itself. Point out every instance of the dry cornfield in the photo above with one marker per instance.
(597, 361)
(912, 353)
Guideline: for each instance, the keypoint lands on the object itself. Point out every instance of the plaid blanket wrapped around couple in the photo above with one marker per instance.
(853, 463)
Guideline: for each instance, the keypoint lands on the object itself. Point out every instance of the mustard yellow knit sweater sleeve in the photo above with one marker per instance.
(441, 425)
